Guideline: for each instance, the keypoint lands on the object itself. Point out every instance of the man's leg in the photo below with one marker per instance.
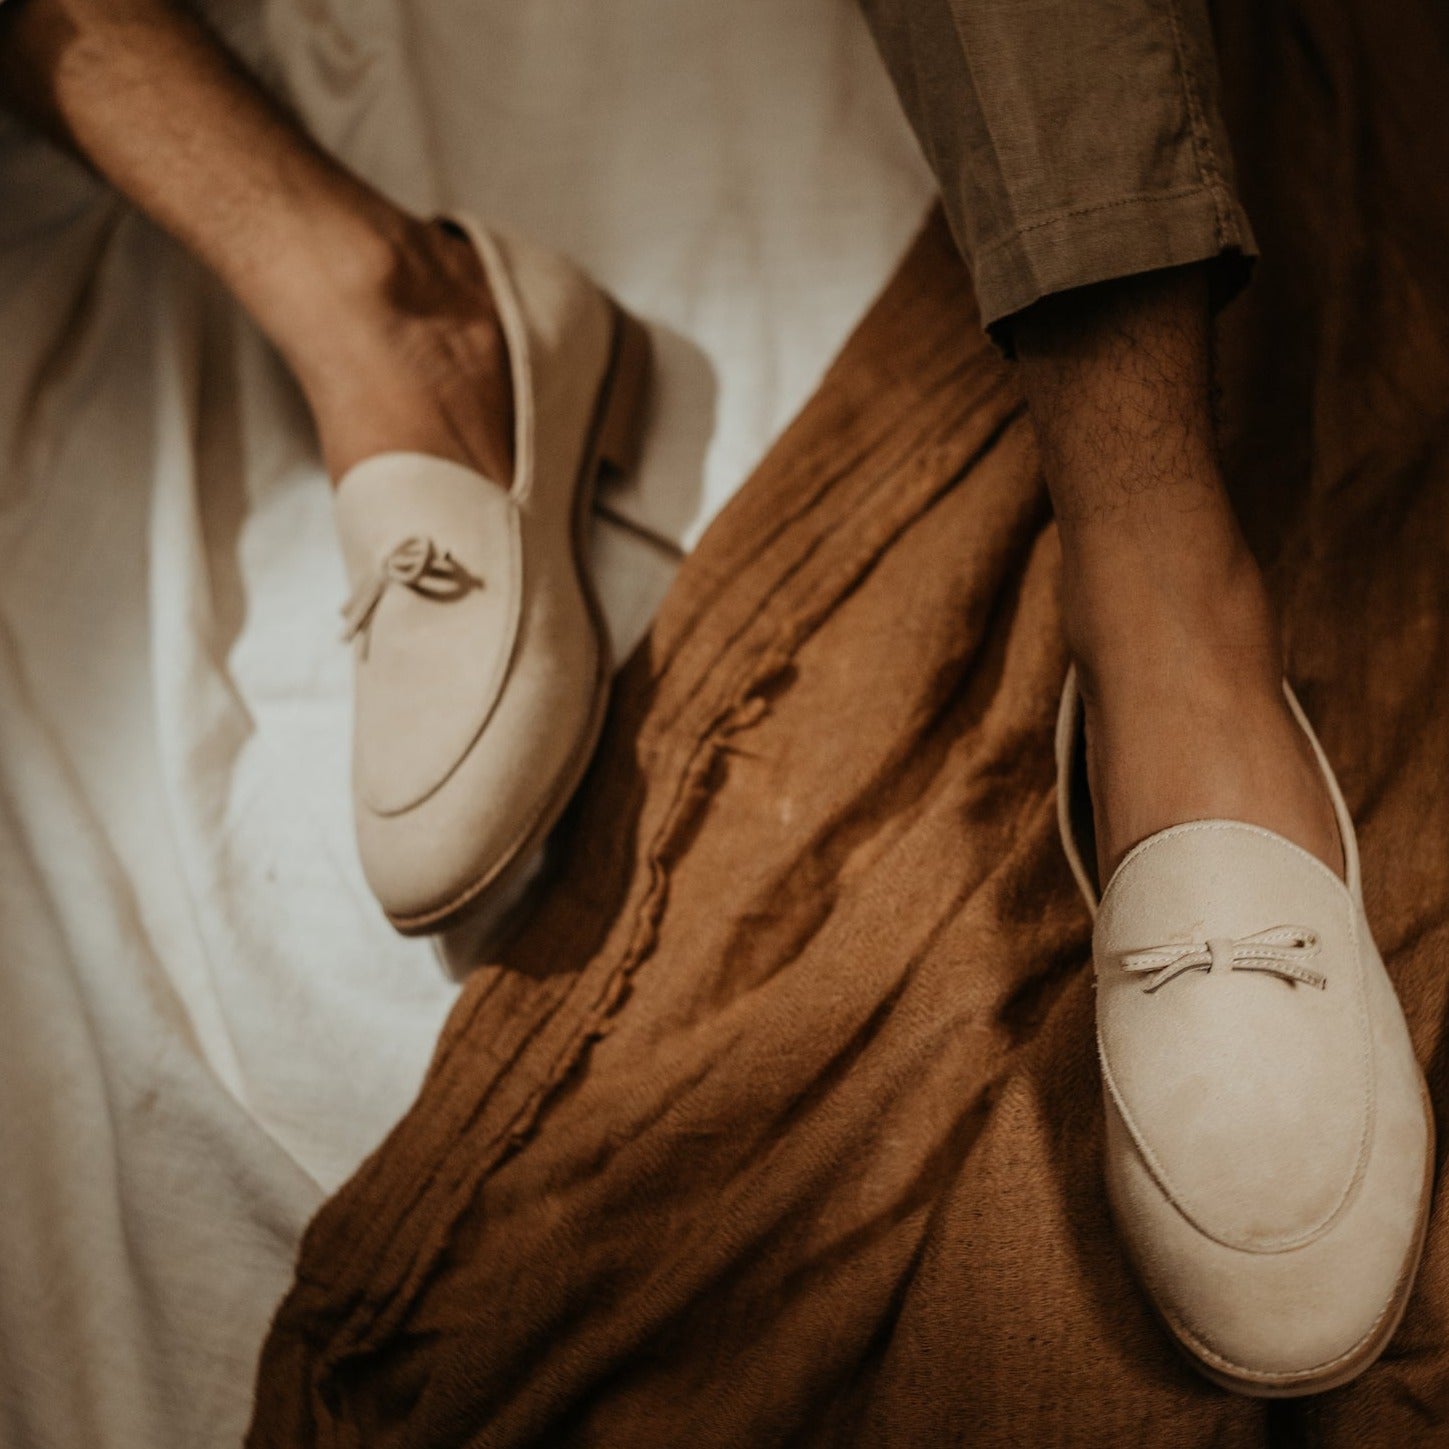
(384, 319)
(1097, 220)
(1178, 653)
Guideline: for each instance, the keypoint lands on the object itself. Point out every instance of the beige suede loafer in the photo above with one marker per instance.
(1269, 1145)
(481, 659)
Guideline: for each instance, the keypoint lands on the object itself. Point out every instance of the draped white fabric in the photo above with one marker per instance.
(204, 1022)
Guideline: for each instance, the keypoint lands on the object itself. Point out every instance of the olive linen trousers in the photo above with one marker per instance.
(1074, 141)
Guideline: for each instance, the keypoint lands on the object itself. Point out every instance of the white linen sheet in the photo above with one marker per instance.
(204, 1022)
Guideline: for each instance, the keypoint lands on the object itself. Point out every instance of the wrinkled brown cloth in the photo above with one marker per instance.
(779, 1122)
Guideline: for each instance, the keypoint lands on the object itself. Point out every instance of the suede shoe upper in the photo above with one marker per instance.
(1269, 1146)
(481, 660)
(1249, 1094)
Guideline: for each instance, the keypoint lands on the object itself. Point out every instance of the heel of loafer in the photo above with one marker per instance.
(621, 428)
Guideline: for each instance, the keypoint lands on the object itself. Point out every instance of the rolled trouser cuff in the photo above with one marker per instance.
(1075, 141)
(1113, 239)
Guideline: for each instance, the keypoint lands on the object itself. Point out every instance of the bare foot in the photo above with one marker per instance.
(414, 358)
(1186, 718)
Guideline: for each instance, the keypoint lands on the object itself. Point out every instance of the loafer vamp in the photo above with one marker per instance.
(514, 686)
(1234, 1032)
(418, 860)
(435, 651)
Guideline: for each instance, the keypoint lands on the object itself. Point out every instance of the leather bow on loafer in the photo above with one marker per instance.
(482, 663)
(1269, 1145)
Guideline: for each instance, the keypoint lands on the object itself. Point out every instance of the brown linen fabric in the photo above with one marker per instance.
(1074, 140)
(779, 1121)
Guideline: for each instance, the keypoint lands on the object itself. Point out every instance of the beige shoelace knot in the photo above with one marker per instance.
(416, 563)
(1279, 951)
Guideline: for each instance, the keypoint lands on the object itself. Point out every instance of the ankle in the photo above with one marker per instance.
(391, 268)
(339, 285)
(1135, 628)
(342, 305)
(405, 351)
